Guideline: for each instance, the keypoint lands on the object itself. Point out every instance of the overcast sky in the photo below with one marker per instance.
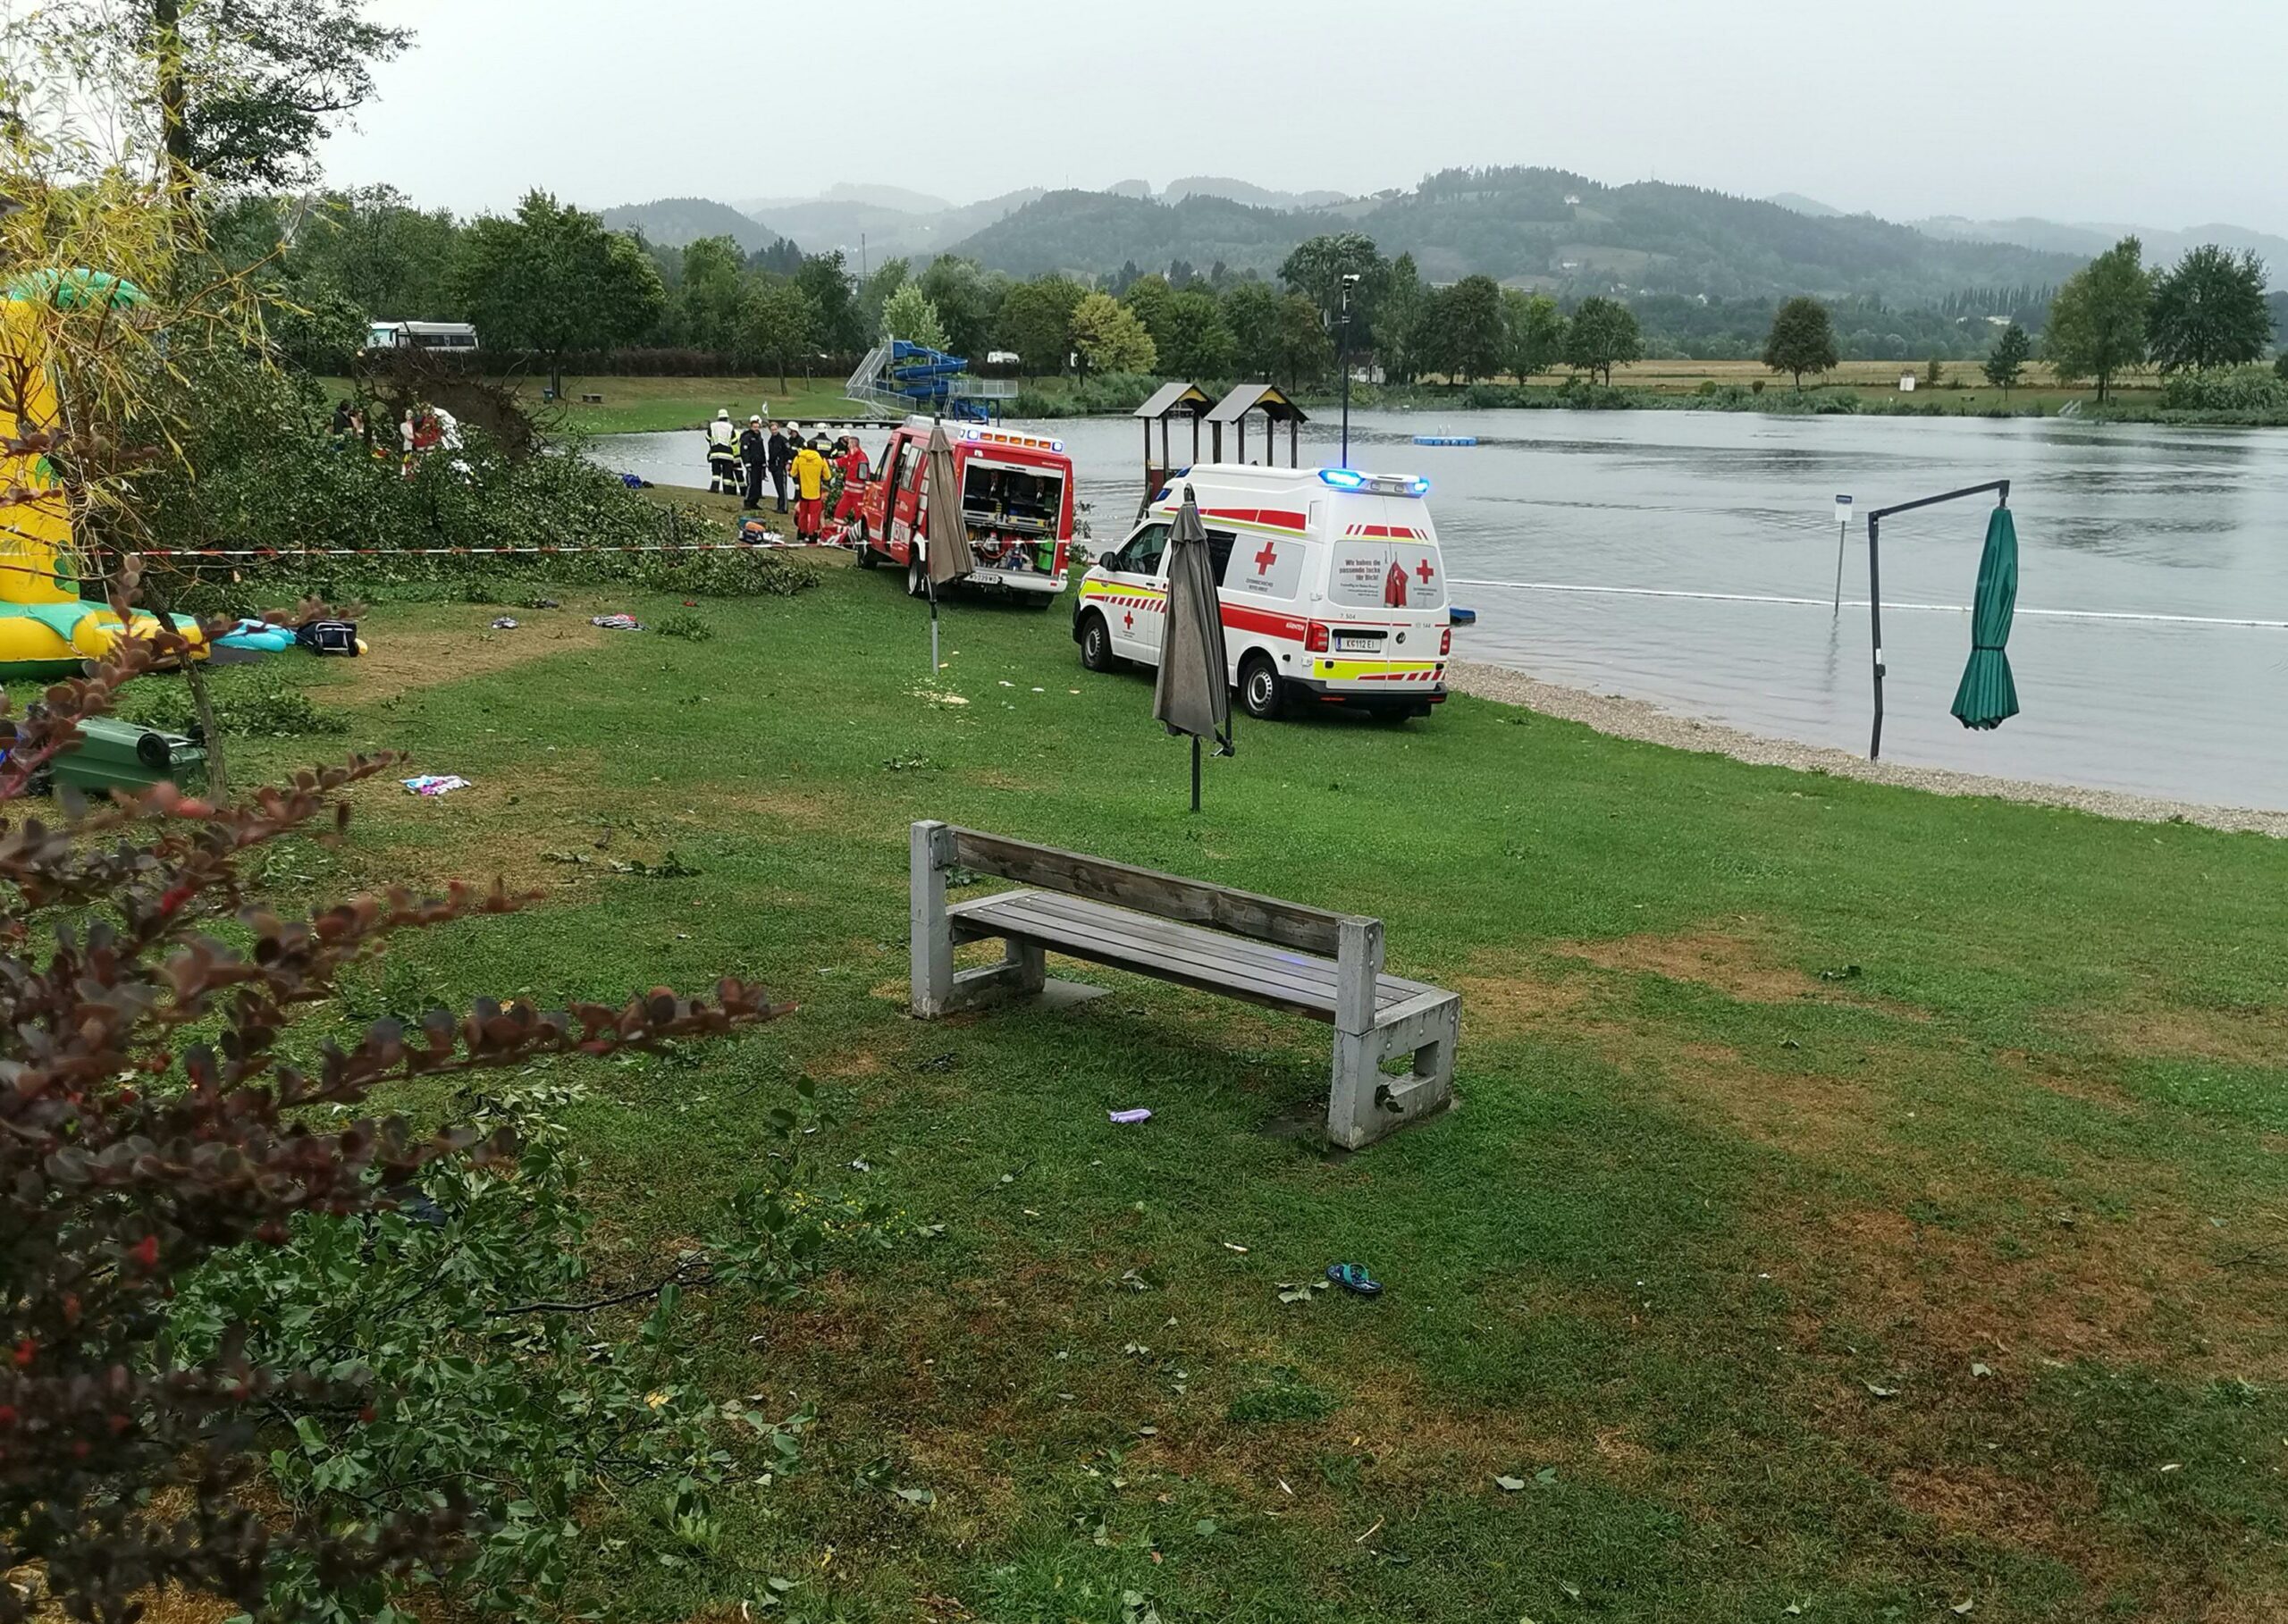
(2160, 114)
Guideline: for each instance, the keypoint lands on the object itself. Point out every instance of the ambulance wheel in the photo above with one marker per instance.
(1261, 693)
(1095, 644)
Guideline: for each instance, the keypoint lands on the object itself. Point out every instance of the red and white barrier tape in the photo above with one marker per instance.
(428, 553)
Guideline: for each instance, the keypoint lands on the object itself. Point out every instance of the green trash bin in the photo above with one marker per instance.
(119, 755)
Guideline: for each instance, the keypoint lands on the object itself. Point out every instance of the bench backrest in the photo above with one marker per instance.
(1192, 902)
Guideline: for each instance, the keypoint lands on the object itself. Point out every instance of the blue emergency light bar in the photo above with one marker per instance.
(1381, 484)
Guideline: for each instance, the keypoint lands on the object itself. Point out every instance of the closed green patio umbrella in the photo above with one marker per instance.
(1989, 695)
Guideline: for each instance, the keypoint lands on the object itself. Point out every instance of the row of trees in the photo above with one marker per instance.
(2208, 311)
(552, 279)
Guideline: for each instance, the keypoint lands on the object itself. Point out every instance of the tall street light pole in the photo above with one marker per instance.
(1342, 360)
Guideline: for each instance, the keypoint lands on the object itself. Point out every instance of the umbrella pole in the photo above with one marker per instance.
(1195, 772)
(1875, 624)
(1875, 582)
(934, 667)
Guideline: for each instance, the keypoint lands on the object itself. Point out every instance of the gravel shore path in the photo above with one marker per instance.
(1635, 718)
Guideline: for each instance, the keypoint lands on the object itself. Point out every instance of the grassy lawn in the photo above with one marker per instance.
(636, 405)
(1859, 1201)
(1959, 380)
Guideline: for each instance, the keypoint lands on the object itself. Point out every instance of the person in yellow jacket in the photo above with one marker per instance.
(809, 472)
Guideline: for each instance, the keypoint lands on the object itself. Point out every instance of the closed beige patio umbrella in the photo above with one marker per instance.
(1192, 692)
(944, 538)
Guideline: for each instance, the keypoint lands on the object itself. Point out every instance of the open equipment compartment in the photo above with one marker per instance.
(1013, 513)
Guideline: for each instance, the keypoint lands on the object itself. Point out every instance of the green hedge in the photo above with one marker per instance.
(2242, 389)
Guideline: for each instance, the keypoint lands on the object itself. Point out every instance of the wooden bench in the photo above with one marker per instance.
(591, 400)
(1282, 955)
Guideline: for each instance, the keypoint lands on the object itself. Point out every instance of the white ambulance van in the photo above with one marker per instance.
(1334, 592)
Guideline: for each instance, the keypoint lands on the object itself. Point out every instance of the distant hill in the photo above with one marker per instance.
(1243, 191)
(1094, 232)
(1530, 227)
(843, 215)
(2162, 246)
(672, 222)
(1801, 204)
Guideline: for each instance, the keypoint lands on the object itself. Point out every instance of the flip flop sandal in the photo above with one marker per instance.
(1352, 1277)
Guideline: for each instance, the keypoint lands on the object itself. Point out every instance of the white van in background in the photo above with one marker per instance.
(1333, 588)
(420, 335)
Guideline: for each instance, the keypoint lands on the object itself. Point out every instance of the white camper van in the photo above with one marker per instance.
(1334, 592)
(420, 335)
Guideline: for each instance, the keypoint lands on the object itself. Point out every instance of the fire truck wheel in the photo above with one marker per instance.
(1095, 644)
(1261, 692)
(916, 585)
(868, 558)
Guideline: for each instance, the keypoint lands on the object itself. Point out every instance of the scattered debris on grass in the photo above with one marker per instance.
(1353, 1277)
(434, 784)
(668, 867)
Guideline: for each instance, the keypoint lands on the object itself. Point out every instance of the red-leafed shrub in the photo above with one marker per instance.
(160, 1109)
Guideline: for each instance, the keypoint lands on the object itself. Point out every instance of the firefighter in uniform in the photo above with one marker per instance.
(751, 452)
(723, 454)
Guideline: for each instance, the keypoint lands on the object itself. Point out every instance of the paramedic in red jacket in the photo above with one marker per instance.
(852, 465)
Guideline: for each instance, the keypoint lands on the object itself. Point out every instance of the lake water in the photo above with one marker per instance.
(2111, 518)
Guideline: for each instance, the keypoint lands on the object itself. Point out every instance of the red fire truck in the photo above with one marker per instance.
(1016, 502)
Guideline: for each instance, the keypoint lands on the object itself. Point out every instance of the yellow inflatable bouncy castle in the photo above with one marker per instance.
(47, 629)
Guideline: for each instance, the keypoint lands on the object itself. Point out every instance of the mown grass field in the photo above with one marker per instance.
(1961, 387)
(642, 404)
(1860, 1206)
(637, 405)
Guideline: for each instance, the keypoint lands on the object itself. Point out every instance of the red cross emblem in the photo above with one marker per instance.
(1128, 621)
(1424, 570)
(1264, 560)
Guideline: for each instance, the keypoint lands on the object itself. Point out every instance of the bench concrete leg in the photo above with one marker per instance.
(1366, 1102)
(1023, 971)
(930, 931)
